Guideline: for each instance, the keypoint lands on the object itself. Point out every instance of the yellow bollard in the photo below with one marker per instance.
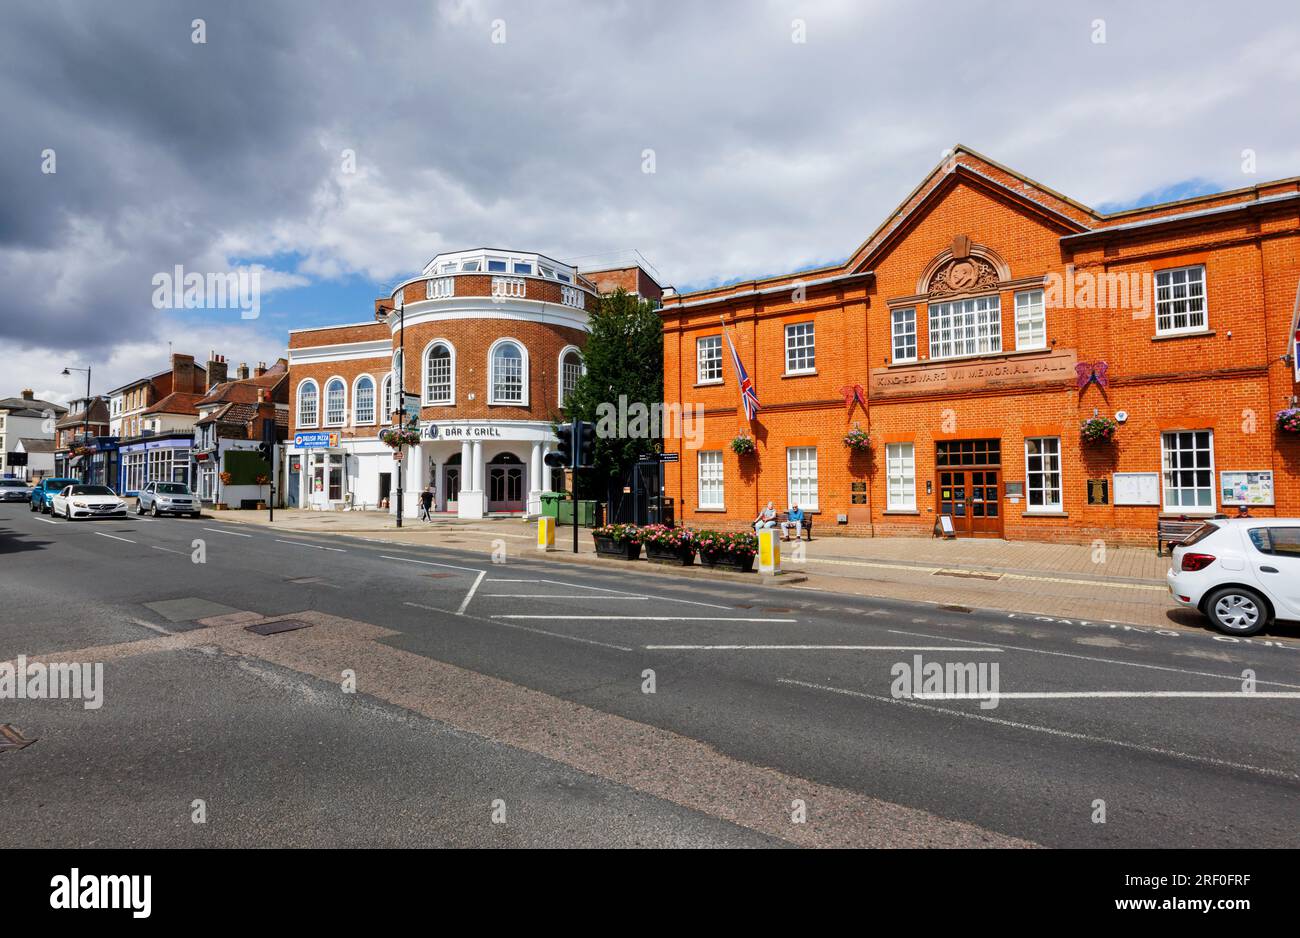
(545, 533)
(769, 551)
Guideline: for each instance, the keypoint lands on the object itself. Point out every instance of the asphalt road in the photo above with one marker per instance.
(509, 703)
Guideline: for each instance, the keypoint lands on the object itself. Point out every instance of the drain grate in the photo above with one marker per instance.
(968, 576)
(12, 738)
(275, 628)
(956, 608)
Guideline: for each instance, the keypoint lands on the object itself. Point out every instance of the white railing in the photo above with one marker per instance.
(509, 286)
(571, 296)
(441, 288)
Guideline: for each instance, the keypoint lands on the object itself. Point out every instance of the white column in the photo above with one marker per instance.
(472, 503)
(414, 469)
(535, 480)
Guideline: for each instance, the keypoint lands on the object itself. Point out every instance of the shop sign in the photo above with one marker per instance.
(1009, 371)
(482, 431)
(316, 440)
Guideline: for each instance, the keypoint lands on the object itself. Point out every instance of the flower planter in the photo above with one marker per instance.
(733, 562)
(624, 550)
(673, 556)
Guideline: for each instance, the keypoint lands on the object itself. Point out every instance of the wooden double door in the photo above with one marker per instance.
(970, 486)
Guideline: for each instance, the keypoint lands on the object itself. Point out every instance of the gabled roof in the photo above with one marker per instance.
(98, 415)
(244, 390)
(30, 406)
(178, 402)
(31, 445)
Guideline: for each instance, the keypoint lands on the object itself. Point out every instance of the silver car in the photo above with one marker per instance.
(168, 498)
(15, 490)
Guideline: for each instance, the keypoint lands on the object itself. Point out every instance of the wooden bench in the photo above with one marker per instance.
(1173, 531)
(805, 526)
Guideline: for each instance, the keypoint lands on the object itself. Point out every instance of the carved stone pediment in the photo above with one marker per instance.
(963, 275)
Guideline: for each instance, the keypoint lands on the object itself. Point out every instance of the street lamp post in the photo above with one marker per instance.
(85, 426)
(401, 394)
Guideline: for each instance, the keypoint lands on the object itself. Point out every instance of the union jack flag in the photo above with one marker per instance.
(748, 395)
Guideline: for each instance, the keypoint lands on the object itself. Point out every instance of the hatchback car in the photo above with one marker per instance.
(87, 501)
(15, 490)
(167, 498)
(43, 494)
(1241, 573)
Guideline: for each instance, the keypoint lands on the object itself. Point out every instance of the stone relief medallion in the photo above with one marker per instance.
(963, 276)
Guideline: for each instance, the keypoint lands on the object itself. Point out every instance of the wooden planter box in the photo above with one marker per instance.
(736, 563)
(674, 556)
(624, 550)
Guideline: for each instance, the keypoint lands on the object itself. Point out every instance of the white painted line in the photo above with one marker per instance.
(430, 563)
(493, 579)
(564, 618)
(115, 537)
(1050, 731)
(231, 533)
(1066, 654)
(525, 628)
(168, 549)
(47, 521)
(1072, 694)
(930, 571)
(472, 590)
(585, 599)
(604, 589)
(814, 648)
(337, 550)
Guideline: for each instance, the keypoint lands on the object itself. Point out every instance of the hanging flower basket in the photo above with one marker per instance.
(397, 437)
(857, 440)
(225, 477)
(1288, 421)
(618, 540)
(675, 546)
(744, 446)
(1098, 430)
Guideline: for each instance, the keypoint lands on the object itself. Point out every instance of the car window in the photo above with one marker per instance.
(90, 490)
(1200, 534)
(173, 488)
(1285, 541)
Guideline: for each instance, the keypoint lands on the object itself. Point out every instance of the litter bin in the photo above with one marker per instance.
(551, 503)
(586, 512)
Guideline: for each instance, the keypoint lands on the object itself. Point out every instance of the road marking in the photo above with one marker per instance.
(168, 549)
(430, 563)
(812, 648)
(115, 537)
(472, 590)
(338, 550)
(47, 521)
(603, 589)
(1109, 584)
(1066, 654)
(535, 631)
(645, 618)
(231, 533)
(584, 599)
(1071, 694)
(1050, 731)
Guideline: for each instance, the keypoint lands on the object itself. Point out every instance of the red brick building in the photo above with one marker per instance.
(973, 333)
(492, 344)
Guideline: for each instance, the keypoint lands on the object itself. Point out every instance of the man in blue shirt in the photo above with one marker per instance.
(793, 519)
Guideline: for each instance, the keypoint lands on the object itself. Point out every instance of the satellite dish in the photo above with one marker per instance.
(1121, 416)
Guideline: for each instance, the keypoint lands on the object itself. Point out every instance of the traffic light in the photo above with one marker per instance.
(562, 457)
(585, 437)
(264, 450)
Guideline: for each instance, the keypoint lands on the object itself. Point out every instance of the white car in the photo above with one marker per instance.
(1240, 572)
(15, 490)
(87, 501)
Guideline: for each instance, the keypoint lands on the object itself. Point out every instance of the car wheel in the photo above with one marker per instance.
(1236, 610)
(31, 506)
(154, 510)
(139, 508)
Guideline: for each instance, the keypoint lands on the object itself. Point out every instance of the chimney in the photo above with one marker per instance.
(28, 394)
(242, 371)
(261, 395)
(217, 369)
(183, 373)
(261, 370)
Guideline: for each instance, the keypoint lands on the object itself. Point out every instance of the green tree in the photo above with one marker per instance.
(624, 355)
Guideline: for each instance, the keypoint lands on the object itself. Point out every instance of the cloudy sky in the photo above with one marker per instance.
(526, 124)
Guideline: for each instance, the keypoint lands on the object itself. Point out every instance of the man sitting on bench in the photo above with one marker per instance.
(793, 519)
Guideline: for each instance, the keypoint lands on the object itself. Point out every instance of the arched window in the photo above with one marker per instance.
(439, 373)
(387, 415)
(307, 404)
(509, 368)
(336, 402)
(363, 400)
(570, 372)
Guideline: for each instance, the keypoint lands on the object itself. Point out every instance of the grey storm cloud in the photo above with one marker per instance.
(769, 154)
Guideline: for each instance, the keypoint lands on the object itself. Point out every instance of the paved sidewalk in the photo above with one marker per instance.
(1119, 584)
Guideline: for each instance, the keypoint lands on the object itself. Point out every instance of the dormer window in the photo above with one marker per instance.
(470, 266)
(497, 266)
(522, 267)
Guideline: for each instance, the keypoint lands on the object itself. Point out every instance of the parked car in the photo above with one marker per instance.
(15, 490)
(167, 498)
(44, 493)
(1241, 573)
(87, 501)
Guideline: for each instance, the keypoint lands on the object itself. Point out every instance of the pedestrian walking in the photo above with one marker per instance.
(426, 503)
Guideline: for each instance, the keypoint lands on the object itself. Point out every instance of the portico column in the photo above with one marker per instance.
(414, 469)
(535, 480)
(480, 476)
(472, 503)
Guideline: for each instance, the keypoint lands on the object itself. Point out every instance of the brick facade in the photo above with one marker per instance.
(1007, 235)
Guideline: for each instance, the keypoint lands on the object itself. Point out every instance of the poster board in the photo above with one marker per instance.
(944, 526)
(1136, 488)
(1246, 488)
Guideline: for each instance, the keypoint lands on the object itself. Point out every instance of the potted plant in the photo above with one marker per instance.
(1288, 421)
(261, 480)
(397, 437)
(727, 551)
(618, 540)
(857, 440)
(1098, 429)
(675, 546)
(744, 446)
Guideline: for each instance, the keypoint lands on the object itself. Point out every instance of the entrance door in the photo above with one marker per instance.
(970, 496)
(451, 485)
(385, 486)
(506, 488)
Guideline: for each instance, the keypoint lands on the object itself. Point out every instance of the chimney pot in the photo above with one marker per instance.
(242, 371)
(28, 394)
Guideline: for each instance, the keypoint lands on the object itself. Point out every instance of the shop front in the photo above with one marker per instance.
(154, 459)
(477, 468)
